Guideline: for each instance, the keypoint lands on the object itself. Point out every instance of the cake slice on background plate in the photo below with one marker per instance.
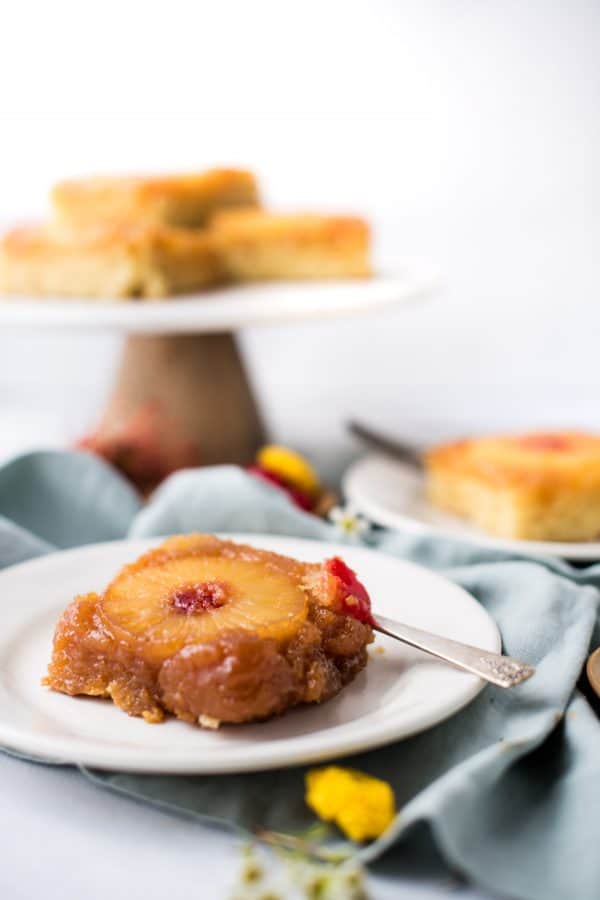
(543, 487)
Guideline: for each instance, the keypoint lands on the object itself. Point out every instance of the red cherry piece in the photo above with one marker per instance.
(355, 600)
(296, 496)
(197, 598)
(543, 442)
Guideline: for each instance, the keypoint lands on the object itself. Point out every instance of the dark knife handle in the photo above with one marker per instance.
(391, 447)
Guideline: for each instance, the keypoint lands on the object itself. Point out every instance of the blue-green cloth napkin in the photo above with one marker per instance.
(509, 789)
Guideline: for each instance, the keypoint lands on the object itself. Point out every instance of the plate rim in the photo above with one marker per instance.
(23, 740)
(580, 550)
(228, 307)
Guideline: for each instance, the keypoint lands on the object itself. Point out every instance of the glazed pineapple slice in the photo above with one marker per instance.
(195, 590)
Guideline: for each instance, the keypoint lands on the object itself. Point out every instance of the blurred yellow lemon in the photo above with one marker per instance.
(290, 466)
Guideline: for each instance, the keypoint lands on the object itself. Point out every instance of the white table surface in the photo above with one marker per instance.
(78, 841)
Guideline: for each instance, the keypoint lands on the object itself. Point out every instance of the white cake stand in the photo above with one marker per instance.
(181, 353)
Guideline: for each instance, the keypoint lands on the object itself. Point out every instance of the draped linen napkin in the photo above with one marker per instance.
(508, 789)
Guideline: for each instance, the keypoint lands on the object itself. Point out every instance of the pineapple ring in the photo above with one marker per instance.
(261, 599)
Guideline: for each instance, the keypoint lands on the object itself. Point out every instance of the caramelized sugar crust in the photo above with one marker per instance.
(257, 633)
(569, 459)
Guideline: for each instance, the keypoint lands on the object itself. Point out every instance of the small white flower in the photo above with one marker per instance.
(327, 882)
(288, 874)
(349, 521)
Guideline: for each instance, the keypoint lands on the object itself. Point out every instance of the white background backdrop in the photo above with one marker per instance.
(467, 131)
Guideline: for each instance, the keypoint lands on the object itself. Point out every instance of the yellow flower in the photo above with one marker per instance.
(362, 806)
(290, 466)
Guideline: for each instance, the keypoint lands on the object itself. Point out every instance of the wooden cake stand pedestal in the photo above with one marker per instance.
(199, 385)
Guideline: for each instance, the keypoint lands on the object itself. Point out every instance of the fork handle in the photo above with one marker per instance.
(389, 446)
(503, 671)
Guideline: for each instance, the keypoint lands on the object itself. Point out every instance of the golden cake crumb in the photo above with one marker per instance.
(209, 722)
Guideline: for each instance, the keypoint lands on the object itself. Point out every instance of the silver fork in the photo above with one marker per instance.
(496, 668)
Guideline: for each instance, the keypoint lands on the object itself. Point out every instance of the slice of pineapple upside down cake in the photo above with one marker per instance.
(213, 631)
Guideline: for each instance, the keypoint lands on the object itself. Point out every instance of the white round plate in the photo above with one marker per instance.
(224, 309)
(391, 493)
(401, 692)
